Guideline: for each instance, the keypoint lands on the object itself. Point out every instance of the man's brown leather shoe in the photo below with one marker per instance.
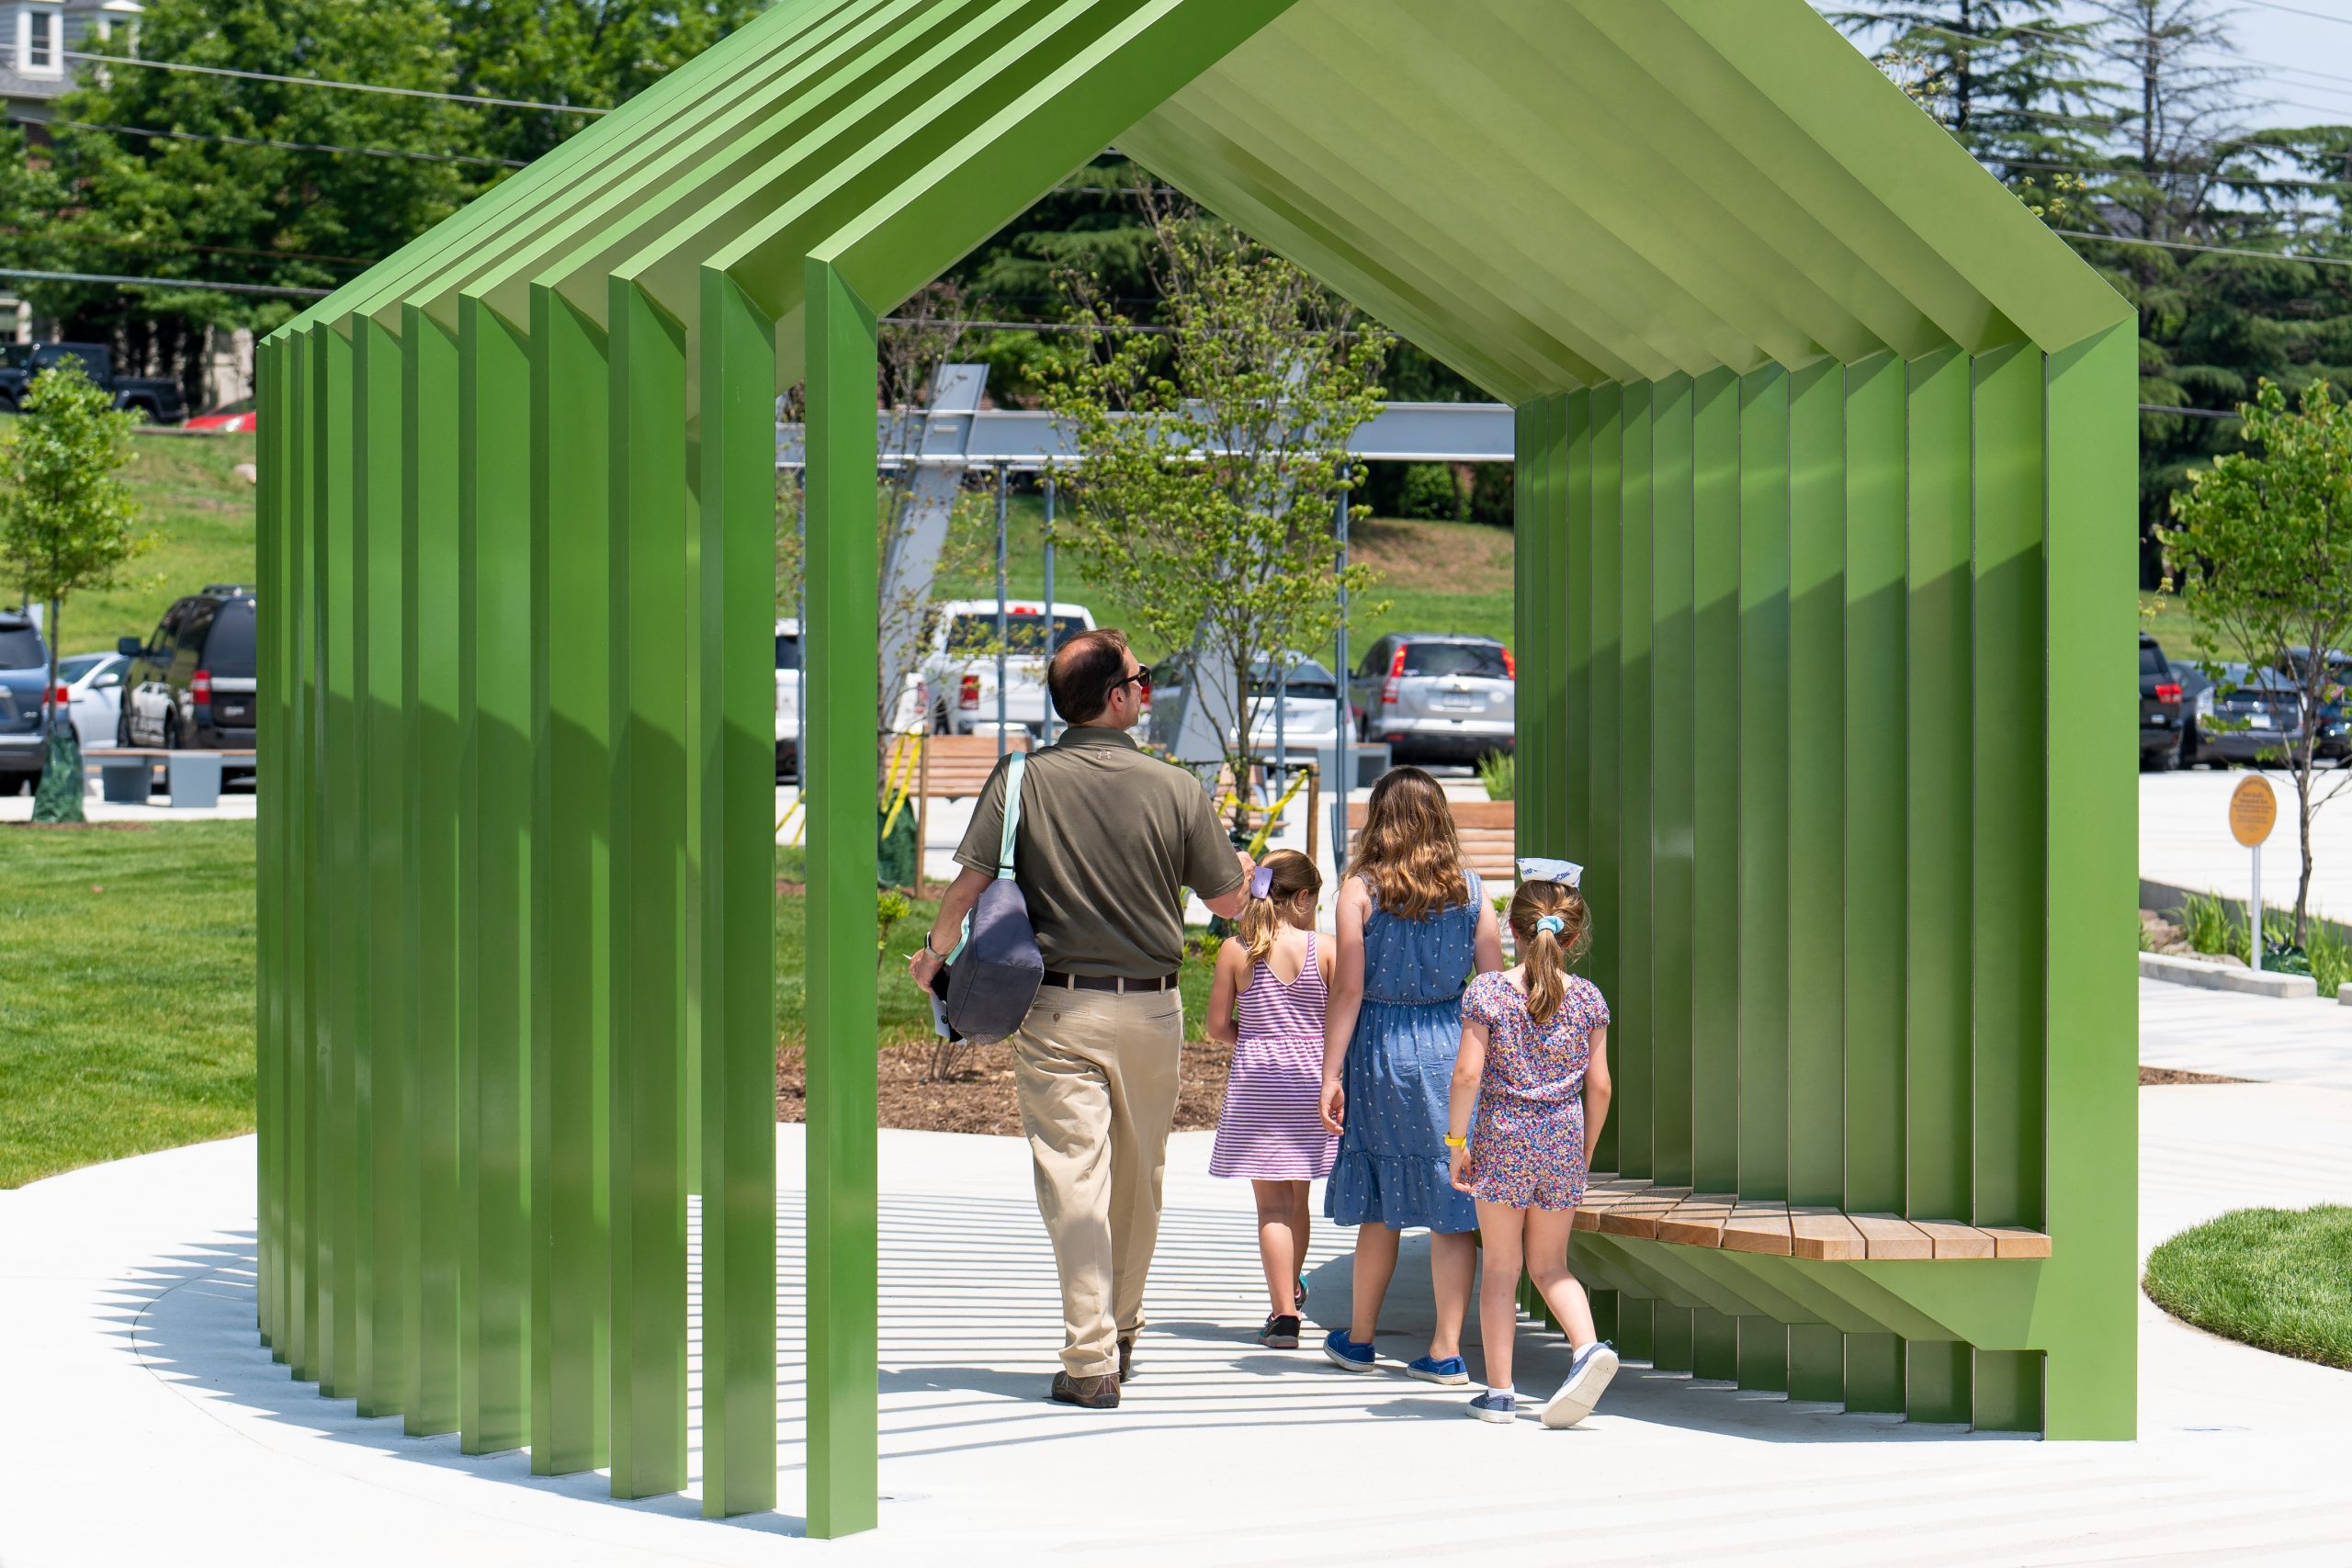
(1126, 1355)
(1086, 1394)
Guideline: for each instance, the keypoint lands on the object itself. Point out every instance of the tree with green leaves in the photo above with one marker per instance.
(65, 525)
(1204, 490)
(2265, 550)
(2012, 79)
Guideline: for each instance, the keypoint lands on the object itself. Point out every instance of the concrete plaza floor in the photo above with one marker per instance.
(145, 1424)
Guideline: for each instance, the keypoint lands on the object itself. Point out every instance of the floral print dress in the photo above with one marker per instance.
(1527, 1139)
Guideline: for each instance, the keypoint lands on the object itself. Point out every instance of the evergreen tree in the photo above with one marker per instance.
(2012, 79)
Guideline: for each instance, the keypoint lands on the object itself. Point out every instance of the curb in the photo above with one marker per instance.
(2228, 978)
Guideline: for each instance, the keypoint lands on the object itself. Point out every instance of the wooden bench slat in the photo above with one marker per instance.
(1821, 1232)
(1952, 1239)
(1637, 1214)
(1759, 1227)
(1603, 1191)
(2016, 1241)
(1891, 1235)
(1698, 1220)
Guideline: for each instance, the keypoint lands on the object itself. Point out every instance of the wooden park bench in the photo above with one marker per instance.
(954, 767)
(1488, 831)
(126, 773)
(1643, 1210)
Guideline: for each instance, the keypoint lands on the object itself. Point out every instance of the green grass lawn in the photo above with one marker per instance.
(2275, 1279)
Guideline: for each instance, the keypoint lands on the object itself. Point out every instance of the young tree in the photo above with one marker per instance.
(1209, 462)
(64, 526)
(2265, 546)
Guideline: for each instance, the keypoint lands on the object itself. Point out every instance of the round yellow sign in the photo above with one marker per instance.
(2254, 810)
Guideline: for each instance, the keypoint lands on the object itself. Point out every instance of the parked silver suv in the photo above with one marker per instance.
(1430, 695)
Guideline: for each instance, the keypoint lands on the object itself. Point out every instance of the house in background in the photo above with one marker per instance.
(37, 42)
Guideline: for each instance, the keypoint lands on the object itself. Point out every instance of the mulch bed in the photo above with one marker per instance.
(978, 1097)
(2174, 1075)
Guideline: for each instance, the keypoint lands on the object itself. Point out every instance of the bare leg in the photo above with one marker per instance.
(1279, 1242)
(1301, 1226)
(1547, 1266)
(1375, 1265)
(1500, 1225)
(1454, 1264)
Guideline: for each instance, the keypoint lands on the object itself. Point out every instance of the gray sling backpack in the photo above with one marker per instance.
(994, 973)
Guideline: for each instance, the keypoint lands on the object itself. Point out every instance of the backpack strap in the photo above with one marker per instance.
(1012, 813)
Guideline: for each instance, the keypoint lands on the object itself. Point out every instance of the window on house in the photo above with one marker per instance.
(40, 40)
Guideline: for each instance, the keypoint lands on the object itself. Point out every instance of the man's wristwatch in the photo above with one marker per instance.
(933, 951)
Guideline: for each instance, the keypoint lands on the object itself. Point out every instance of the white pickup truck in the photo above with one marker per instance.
(955, 687)
(787, 700)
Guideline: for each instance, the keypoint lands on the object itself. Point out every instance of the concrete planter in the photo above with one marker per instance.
(2230, 977)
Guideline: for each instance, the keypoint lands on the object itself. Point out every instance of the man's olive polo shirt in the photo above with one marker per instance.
(1107, 837)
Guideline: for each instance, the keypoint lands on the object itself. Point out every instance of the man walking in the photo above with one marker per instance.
(1107, 839)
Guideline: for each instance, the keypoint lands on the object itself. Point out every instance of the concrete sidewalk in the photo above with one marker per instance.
(2271, 1039)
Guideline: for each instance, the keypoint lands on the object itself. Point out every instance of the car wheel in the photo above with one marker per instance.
(2187, 757)
(122, 728)
(171, 732)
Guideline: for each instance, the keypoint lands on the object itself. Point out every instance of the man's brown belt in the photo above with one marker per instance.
(1108, 982)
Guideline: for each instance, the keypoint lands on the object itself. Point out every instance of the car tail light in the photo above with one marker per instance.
(1511, 666)
(967, 696)
(1145, 690)
(199, 686)
(1389, 688)
(61, 697)
(2169, 692)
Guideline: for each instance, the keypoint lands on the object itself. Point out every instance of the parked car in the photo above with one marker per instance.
(955, 685)
(192, 684)
(787, 699)
(1306, 696)
(227, 417)
(2160, 707)
(155, 399)
(2265, 711)
(24, 672)
(92, 683)
(1431, 695)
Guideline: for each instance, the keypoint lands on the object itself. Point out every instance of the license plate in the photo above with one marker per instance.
(2261, 721)
(1456, 699)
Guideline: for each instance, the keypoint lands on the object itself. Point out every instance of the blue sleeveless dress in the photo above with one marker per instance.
(1391, 1168)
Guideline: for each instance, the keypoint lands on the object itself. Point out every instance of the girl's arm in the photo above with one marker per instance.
(1596, 1091)
(1487, 946)
(1347, 997)
(1469, 1065)
(1231, 978)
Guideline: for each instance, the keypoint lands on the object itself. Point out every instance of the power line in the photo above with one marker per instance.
(328, 82)
(288, 146)
(2208, 250)
(124, 282)
(2298, 11)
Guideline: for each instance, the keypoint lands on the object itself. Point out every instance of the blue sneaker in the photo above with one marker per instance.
(1587, 1379)
(1500, 1408)
(1347, 1355)
(1453, 1370)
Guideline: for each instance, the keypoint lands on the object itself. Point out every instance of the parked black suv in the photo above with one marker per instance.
(192, 684)
(2160, 707)
(157, 399)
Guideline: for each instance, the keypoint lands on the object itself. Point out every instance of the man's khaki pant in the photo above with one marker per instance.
(1097, 1073)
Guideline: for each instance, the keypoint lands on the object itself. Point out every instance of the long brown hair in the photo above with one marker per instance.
(1546, 954)
(1408, 849)
(1291, 873)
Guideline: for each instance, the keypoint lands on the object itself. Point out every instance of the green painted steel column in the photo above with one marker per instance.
(2090, 1319)
(1531, 546)
(347, 866)
(1673, 701)
(1599, 731)
(1765, 699)
(1711, 699)
(338, 1210)
(429, 492)
(734, 753)
(571, 544)
(1575, 597)
(844, 1240)
(648, 499)
(387, 758)
(496, 914)
(269, 994)
(301, 1184)
(1634, 1072)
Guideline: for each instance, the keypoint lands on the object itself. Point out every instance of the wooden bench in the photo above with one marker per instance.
(1646, 1212)
(1488, 832)
(954, 767)
(126, 773)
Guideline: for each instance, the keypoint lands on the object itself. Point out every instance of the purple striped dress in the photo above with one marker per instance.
(1272, 1127)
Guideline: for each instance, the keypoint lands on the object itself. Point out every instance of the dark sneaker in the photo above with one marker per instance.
(1587, 1379)
(1126, 1357)
(1347, 1355)
(1280, 1332)
(1500, 1408)
(1428, 1368)
(1086, 1394)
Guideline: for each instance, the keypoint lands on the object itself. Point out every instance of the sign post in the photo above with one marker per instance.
(2254, 811)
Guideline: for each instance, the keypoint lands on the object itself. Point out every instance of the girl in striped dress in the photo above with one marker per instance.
(1277, 976)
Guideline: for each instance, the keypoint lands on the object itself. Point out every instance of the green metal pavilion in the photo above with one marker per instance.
(1826, 474)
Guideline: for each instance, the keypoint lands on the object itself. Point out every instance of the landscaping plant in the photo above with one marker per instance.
(2279, 1280)
(1499, 770)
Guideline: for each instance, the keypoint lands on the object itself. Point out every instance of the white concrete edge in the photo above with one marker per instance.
(2230, 977)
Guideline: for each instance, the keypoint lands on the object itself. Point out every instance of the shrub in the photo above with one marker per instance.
(1499, 770)
(2206, 920)
(1431, 493)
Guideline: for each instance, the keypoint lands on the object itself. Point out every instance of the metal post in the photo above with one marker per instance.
(1343, 767)
(2254, 915)
(1282, 744)
(1003, 625)
(1050, 622)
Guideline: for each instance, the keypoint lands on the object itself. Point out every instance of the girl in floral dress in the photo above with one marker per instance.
(1531, 1092)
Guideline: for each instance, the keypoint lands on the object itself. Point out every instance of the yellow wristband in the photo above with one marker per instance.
(1454, 1143)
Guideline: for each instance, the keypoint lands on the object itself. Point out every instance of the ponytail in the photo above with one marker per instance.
(1548, 978)
(1552, 926)
(1279, 877)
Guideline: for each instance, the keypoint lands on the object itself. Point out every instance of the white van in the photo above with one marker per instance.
(787, 700)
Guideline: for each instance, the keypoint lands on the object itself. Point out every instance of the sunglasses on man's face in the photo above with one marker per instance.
(1141, 680)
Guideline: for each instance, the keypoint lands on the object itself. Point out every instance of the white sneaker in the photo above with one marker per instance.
(1587, 1379)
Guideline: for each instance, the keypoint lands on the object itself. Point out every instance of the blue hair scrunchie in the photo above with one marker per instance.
(1554, 924)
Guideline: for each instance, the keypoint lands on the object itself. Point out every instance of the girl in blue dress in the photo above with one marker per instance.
(1412, 928)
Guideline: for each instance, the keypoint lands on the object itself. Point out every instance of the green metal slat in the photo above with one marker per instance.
(735, 745)
(1716, 766)
(493, 947)
(843, 1343)
(429, 488)
(2010, 834)
(335, 1213)
(1936, 1377)
(1530, 540)
(2007, 1396)
(269, 994)
(1874, 1373)
(1576, 598)
(1715, 1345)
(1602, 854)
(1764, 1354)
(1874, 902)
(301, 1183)
(1673, 1337)
(1636, 1326)
(1635, 1069)
(571, 544)
(1767, 698)
(1816, 1362)
(1673, 741)
(1816, 683)
(346, 863)
(1937, 1111)
(647, 387)
(386, 756)
(1556, 625)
